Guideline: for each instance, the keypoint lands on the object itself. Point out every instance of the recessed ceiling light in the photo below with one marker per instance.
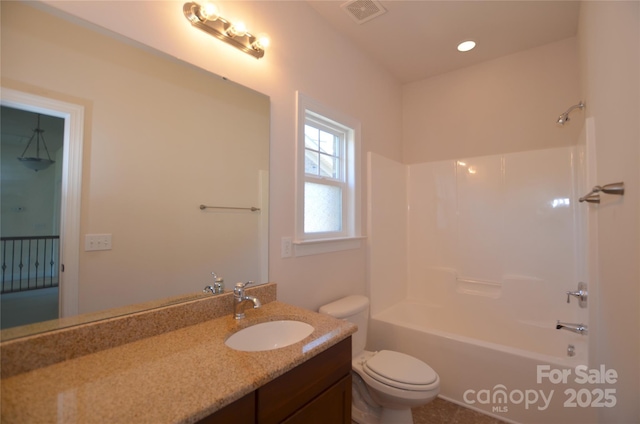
(465, 46)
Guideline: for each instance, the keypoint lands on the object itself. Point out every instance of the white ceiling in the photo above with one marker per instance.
(417, 39)
(17, 127)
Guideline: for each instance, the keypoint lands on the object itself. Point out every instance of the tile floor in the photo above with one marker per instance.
(442, 412)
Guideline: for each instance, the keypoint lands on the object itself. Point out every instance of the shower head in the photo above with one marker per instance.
(565, 116)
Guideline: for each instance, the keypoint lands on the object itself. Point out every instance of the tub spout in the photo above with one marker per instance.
(576, 328)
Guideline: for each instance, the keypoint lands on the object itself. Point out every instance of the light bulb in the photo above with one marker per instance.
(262, 42)
(466, 46)
(208, 12)
(237, 29)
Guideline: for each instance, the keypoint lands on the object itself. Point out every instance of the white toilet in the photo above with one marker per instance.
(386, 384)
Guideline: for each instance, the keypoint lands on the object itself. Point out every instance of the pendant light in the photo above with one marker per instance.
(36, 162)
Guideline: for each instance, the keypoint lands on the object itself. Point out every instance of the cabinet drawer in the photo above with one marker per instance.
(286, 394)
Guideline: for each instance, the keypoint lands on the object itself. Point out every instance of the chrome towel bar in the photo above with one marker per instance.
(252, 208)
(594, 197)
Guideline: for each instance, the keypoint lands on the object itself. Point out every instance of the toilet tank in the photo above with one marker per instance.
(354, 309)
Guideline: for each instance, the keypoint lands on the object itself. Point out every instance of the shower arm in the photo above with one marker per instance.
(578, 106)
(564, 117)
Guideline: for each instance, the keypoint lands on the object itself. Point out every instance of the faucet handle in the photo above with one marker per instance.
(581, 294)
(242, 285)
(239, 288)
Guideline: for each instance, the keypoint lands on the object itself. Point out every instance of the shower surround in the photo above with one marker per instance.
(469, 264)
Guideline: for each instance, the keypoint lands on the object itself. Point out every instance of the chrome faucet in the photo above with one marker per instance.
(217, 287)
(576, 328)
(240, 300)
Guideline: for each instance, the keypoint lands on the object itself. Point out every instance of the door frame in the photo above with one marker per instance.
(73, 116)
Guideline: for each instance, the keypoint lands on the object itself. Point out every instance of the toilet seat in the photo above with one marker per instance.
(400, 371)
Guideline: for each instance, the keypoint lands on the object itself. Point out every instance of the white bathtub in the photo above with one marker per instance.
(505, 370)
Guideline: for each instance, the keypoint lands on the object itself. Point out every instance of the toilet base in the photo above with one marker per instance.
(386, 416)
(396, 416)
(364, 410)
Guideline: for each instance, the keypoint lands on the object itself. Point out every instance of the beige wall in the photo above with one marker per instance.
(161, 138)
(504, 105)
(609, 39)
(326, 68)
(334, 72)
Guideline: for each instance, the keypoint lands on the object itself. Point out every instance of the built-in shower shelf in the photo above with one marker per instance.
(476, 287)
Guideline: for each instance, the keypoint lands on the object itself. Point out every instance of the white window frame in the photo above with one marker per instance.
(350, 236)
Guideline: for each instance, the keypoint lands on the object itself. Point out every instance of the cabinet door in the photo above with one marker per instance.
(282, 397)
(242, 411)
(333, 406)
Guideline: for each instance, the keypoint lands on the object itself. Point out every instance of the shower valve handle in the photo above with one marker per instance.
(580, 294)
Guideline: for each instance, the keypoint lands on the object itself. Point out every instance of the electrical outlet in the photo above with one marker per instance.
(97, 242)
(286, 247)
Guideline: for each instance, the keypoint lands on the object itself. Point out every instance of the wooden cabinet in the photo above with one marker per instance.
(331, 406)
(297, 388)
(316, 391)
(241, 411)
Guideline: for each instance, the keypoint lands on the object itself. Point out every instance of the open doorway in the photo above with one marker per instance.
(31, 152)
(66, 217)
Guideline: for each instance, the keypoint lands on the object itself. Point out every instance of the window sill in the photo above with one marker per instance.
(319, 246)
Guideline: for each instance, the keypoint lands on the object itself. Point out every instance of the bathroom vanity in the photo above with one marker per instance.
(317, 391)
(180, 375)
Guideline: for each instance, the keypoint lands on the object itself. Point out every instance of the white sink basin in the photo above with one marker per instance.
(269, 335)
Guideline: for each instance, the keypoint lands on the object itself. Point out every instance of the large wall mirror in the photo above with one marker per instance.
(161, 138)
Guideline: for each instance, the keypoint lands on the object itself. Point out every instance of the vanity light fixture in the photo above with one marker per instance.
(205, 16)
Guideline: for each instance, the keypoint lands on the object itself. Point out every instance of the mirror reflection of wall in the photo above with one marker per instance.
(160, 138)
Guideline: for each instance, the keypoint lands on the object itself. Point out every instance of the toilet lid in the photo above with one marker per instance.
(400, 370)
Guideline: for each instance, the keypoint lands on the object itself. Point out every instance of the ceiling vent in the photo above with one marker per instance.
(362, 11)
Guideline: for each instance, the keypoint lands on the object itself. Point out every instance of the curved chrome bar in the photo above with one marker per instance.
(578, 106)
(613, 188)
(592, 197)
(564, 117)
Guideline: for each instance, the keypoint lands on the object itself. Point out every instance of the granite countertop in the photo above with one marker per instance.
(178, 376)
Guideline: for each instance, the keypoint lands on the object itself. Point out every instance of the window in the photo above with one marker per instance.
(327, 198)
(325, 184)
